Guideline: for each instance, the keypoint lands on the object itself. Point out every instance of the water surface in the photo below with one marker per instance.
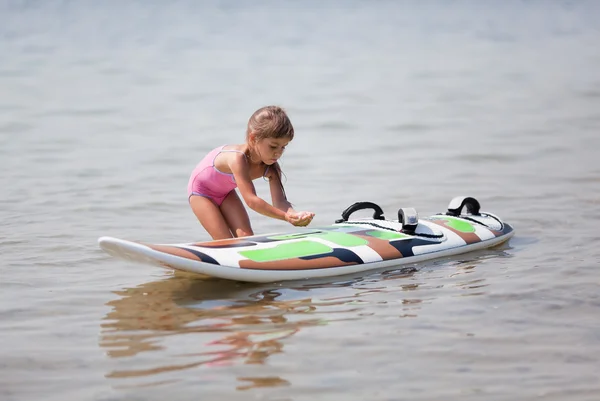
(105, 107)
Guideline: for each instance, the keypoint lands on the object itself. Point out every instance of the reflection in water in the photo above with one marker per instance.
(231, 322)
(222, 323)
(254, 382)
(238, 322)
(466, 267)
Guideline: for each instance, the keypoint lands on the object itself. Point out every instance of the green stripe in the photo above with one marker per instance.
(338, 238)
(287, 251)
(457, 224)
(385, 234)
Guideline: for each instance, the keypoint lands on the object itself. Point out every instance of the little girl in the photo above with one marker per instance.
(211, 188)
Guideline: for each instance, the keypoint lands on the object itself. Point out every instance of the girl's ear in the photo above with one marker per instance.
(252, 137)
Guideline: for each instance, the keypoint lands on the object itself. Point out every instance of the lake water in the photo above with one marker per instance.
(105, 108)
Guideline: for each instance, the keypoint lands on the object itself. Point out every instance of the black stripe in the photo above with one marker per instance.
(237, 245)
(406, 246)
(203, 257)
(423, 235)
(269, 238)
(345, 255)
(507, 228)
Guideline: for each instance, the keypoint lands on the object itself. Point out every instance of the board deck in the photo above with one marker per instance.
(343, 248)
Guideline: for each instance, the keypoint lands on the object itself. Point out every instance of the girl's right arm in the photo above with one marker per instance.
(240, 169)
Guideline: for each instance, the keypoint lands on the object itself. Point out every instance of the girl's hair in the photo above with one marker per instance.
(270, 122)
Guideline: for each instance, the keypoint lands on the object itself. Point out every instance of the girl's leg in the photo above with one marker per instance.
(210, 216)
(236, 215)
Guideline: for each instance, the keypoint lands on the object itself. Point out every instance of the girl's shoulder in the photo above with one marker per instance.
(234, 153)
(242, 148)
(228, 155)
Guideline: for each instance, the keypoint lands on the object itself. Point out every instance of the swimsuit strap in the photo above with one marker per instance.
(231, 150)
(226, 150)
(239, 151)
(219, 152)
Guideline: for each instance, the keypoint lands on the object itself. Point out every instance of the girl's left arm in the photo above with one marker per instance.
(280, 200)
(277, 193)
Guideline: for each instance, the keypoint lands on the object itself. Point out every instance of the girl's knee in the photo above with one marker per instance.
(241, 232)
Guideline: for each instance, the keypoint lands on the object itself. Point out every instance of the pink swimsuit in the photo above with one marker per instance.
(206, 180)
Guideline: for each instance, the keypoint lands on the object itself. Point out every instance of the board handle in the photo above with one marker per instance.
(377, 211)
(458, 203)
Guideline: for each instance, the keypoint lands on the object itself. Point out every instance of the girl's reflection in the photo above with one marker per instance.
(250, 320)
(234, 322)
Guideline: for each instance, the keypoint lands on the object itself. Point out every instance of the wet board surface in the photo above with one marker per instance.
(343, 248)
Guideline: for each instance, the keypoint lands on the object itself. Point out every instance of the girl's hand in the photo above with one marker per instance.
(299, 219)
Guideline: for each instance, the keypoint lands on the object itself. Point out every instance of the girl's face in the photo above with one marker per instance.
(271, 149)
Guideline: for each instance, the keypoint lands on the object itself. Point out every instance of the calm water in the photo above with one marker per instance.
(105, 107)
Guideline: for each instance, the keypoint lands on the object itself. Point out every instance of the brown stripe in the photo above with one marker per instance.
(171, 250)
(469, 238)
(382, 247)
(497, 233)
(221, 242)
(295, 264)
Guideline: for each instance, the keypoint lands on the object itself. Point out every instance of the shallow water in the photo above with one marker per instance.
(106, 107)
